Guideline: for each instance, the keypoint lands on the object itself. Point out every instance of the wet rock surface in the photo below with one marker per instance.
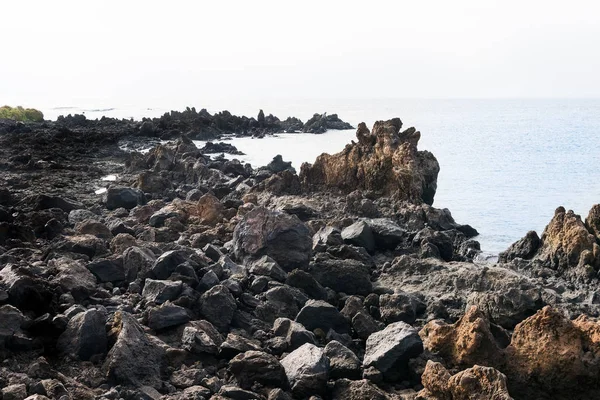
(196, 277)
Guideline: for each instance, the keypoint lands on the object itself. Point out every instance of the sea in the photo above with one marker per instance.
(506, 164)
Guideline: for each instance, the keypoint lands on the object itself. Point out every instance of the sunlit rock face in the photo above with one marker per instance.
(385, 161)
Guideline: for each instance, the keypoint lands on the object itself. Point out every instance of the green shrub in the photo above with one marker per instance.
(21, 114)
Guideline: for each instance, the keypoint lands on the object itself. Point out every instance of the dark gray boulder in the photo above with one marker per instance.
(295, 334)
(85, 336)
(281, 236)
(167, 316)
(134, 359)
(257, 366)
(107, 270)
(201, 337)
(359, 234)
(391, 347)
(343, 362)
(124, 197)
(307, 283)
(307, 370)
(160, 291)
(346, 276)
(217, 305)
(320, 314)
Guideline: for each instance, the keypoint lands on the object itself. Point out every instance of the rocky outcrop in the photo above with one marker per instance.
(385, 160)
(547, 353)
(568, 247)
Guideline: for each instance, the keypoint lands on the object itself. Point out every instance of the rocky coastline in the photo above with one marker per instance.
(196, 277)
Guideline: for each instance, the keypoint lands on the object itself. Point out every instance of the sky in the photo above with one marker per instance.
(65, 52)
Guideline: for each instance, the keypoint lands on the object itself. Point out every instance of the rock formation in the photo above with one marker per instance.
(384, 160)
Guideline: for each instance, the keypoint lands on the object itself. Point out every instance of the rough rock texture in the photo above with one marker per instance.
(384, 160)
(307, 370)
(467, 342)
(134, 359)
(257, 366)
(280, 236)
(477, 383)
(392, 347)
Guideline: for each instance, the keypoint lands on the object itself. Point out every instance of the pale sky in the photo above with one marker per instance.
(70, 52)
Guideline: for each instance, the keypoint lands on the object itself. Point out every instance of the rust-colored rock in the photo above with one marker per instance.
(467, 342)
(566, 242)
(477, 383)
(557, 353)
(384, 160)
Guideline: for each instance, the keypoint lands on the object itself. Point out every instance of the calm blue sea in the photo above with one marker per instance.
(505, 164)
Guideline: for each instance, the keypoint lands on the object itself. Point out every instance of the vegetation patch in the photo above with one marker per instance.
(21, 114)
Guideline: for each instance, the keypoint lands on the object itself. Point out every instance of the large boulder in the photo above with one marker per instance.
(347, 276)
(391, 348)
(384, 160)
(85, 336)
(281, 236)
(320, 314)
(134, 359)
(128, 198)
(217, 305)
(307, 370)
(257, 367)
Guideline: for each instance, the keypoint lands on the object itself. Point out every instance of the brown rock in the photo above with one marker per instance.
(467, 342)
(593, 220)
(385, 161)
(477, 383)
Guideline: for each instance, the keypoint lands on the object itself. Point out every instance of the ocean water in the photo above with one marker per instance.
(505, 164)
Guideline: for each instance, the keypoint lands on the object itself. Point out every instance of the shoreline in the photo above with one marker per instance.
(191, 259)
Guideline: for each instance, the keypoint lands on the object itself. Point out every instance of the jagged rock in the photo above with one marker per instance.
(167, 316)
(268, 267)
(386, 233)
(92, 227)
(128, 198)
(305, 281)
(343, 362)
(346, 276)
(257, 366)
(85, 335)
(359, 234)
(134, 359)
(107, 270)
(320, 314)
(281, 236)
(473, 383)
(307, 370)
(12, 320)
(279, 302)
(218, 306)
(137, 262)
(44, 202)
(524, 248)
(210, 210)
(345, 389)
(327, 236)
(166, 264)
(278, 165)
(25, 292)
(201, 337)
(295, 334)
(559, 355)
(392, 347)
(399, 306)
(467, 342)
(74, 278)
(235, 344)
(384, 160)
(160, 291)
(593, 220)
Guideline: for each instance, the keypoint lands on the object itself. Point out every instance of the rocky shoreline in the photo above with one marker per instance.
(203, 278)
